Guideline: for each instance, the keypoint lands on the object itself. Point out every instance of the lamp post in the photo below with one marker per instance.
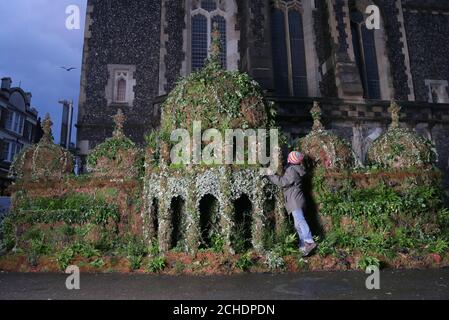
(66, 125)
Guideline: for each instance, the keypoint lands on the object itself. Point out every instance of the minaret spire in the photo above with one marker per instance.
(316, 116)
(46, 127)
(119, 120)
(395, 111)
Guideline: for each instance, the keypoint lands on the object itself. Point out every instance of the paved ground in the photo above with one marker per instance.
(426, 284)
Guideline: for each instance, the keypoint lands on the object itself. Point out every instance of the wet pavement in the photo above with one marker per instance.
(394, 284)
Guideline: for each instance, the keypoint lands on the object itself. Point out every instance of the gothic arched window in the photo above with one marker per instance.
(289, 58)
(205, 14)
(364, 44)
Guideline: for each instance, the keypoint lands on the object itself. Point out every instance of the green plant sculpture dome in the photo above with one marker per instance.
(401, 148)
(218, 98)
(116, 157)
(44, 160)
(323, 148)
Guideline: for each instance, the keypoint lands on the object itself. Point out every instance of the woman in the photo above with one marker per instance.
(294, 199)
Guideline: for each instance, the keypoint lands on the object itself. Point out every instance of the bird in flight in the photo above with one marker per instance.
(68, 69)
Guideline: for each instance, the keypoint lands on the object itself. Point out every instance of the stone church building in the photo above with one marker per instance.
(299, 51)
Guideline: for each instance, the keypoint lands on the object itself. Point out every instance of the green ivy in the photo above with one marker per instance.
(215, 97)
(74, 208)
(7, 233)
(381, 219)
(109, 149)
(157, 264)
(65, 257)
(245, 262)
(368, 261)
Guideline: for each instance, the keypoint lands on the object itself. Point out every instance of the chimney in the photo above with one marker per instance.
(29, 96)
(6, 83)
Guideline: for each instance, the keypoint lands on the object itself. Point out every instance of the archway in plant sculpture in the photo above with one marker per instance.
(209, 215)
(154, 214)
(242, 233)
(177, 216)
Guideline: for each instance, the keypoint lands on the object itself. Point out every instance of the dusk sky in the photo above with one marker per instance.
(34, 44)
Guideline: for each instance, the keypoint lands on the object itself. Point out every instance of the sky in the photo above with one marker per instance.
(34, 44)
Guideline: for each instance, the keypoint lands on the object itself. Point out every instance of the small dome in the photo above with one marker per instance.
(116, 157)
(44, 160)
(400, 147)
(218, 98)
(324, 148)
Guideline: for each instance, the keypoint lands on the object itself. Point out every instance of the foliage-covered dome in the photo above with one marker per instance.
(400, 147)
(44, 160)
(218, 98)
(323, 148)
(117, 156)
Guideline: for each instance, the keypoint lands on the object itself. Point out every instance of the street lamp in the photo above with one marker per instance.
(66, 125)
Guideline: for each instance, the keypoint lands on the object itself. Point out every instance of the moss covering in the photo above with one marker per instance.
(42, 161)
(400, 147)
(218, 98)
(381, 218)
(118, 156)
(323, 148)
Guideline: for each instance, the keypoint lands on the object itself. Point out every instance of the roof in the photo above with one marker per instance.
(17, 98)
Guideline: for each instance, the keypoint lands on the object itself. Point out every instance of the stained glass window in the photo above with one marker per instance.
(299, 74)
(121, 90)
(365, 55)
(280, 62)
(372, 71)
(289, 59)
(199, 41)
(209, 5)
(202, 26)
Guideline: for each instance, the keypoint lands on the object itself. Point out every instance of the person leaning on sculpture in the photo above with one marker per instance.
(291, 184)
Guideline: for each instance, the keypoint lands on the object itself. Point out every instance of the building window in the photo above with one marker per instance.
(204, 15)
(10, 149)
(438, 91)
(289, 58)
(121, 90)
(121, 79)
(209, 5)
(28, 131)
(364, 44)
(120, 86)
(15, 122)
(199, 41)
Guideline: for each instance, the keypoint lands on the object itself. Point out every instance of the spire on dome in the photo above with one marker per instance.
(119, 120)
(316, 115)
(395, 111)
(46, 127)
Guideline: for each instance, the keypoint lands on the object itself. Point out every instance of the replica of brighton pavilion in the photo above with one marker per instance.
(204, 96)
(138, 209)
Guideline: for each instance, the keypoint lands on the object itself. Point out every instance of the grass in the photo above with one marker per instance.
(368, 261)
